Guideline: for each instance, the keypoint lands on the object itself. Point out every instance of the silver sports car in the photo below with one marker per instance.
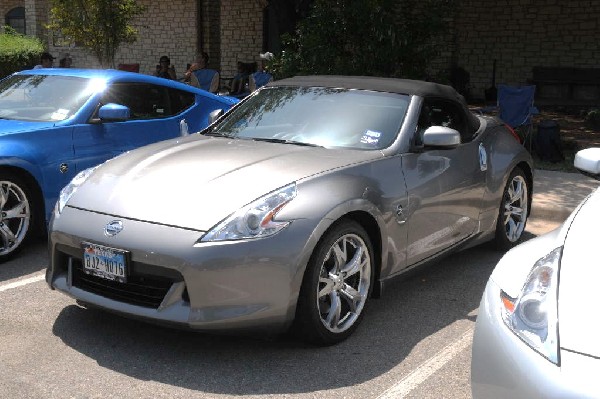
(292, 209)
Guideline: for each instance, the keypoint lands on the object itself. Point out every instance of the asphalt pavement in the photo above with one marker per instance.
(556, 194)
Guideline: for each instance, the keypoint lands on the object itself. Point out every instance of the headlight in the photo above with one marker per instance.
(255, 219)
(533, 315)
(70, 188)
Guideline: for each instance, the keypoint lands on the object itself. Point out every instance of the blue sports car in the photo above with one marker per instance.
(57, 122)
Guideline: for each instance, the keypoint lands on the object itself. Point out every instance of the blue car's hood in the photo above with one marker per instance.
(8, 126)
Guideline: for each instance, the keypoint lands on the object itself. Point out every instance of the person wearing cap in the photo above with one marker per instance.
(46, 61)
(164, 69)
(65, 61)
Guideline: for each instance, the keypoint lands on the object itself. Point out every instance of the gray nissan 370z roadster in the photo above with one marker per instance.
(292, 209)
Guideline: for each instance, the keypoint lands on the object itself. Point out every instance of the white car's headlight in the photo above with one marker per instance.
(70, 188)
(533, 315)
(255, 219)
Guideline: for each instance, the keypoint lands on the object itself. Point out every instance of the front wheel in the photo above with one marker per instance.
(336, 285)
(513, 212)
(15, 215)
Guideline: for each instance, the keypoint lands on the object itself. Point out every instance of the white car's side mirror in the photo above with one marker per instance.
(588, 162)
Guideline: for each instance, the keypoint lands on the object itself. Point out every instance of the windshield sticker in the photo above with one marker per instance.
(60, 114)
(370, 137)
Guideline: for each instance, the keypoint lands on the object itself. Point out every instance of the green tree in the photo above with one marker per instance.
(394, 38)
(101, 26)
(17, 51)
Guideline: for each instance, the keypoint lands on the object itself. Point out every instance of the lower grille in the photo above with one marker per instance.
(140, 289)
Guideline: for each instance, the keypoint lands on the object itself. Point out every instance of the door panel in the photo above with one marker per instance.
(445, 189)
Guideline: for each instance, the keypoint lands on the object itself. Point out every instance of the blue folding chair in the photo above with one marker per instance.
(516, 109)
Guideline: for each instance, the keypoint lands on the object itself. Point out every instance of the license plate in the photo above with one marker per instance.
(105, 262)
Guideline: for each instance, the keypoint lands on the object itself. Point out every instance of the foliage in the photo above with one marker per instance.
(592, 119)
(17, 51)
(394, 38)
(101, 26)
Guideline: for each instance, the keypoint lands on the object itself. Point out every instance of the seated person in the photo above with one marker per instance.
(239, 81)
(263, 76)
(164, 69)
(200, 63)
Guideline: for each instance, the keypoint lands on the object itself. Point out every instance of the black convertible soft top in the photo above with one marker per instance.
(392, 85)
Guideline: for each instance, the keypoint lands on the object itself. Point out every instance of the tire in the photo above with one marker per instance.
(514, 209)
(336, 285)
(15, 215)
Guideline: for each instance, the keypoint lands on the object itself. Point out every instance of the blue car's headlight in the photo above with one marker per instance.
(255, 219)
(70, 188)
(533, 315)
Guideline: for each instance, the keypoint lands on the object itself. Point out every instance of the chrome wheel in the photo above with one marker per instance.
(336, 285)
(515, 208)
(344, 280)
(15, 216)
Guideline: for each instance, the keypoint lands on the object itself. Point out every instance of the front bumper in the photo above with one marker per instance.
(503, 366)
(209, 286)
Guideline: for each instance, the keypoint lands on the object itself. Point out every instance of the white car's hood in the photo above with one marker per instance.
(578, 315)
(196, 181)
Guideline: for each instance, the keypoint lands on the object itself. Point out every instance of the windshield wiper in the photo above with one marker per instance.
(214, 134)
(283, 141)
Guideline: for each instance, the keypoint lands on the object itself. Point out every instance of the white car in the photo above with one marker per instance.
(537, 332)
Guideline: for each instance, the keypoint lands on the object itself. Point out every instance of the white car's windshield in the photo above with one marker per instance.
(42, 98)
(318, 116)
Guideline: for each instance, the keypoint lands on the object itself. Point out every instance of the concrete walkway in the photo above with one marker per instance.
(556, 194)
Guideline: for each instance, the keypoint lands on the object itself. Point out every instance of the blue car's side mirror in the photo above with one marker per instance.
(113, 113)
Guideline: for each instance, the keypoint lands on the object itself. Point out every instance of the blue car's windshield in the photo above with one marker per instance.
(320, 116)
(42, 98)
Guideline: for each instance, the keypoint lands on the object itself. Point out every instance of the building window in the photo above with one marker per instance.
(15, 18)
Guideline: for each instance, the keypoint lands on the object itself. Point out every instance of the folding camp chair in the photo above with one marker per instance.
(516, 109)
(206, 79)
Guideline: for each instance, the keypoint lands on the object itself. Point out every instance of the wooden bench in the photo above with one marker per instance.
(566, 86)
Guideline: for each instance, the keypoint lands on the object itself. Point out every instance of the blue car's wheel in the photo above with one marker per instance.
(15, 214)
(336, 285)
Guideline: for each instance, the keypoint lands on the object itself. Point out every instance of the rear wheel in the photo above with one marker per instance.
(15, 215)
(514, 209)
(336, 285)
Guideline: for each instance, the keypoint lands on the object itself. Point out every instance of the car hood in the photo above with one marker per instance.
(196, 181)
(8, 126)
(578, 315)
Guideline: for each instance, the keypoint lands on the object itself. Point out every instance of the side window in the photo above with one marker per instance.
(180, 100)
(448, 114)
(145, 101)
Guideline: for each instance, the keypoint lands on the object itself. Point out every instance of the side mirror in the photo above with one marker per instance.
(214, 115)
(113, 113)
(439, 136)
(588, 162)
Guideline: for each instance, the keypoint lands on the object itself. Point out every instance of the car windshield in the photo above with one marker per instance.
(42, 98)
(326, 117)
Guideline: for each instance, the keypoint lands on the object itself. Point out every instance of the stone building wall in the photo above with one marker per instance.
(241, 33)
(522, 34)
(166, 28)
(519, 34)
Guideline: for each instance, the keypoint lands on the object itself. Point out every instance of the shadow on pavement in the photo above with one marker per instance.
(32, 258)
(410, 311)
